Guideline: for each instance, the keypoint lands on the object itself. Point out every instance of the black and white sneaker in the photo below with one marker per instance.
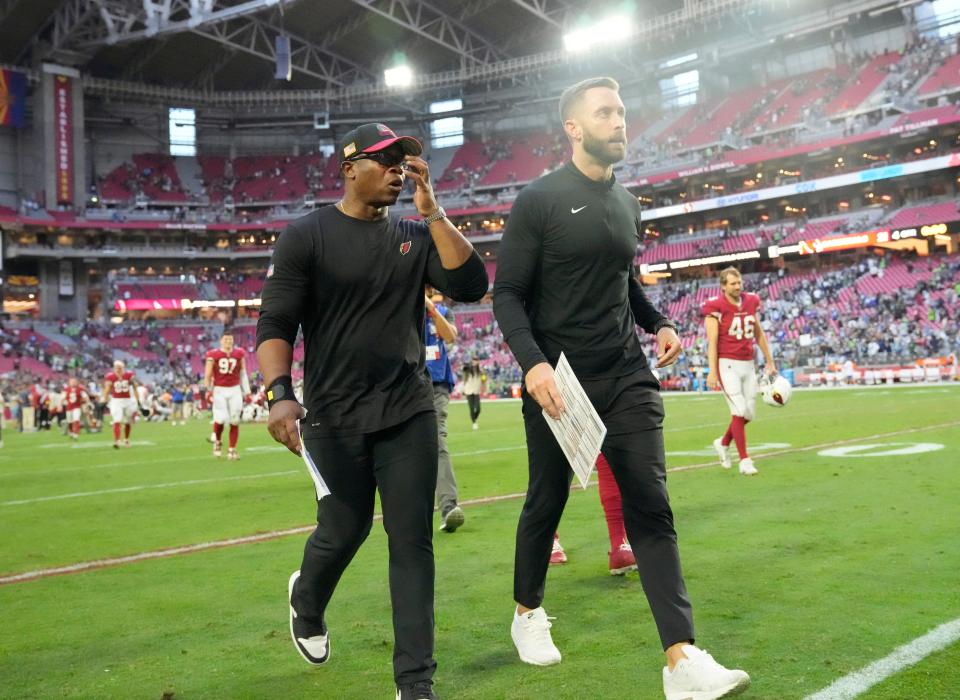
(312, 644)
(421, 690)
(451, 519)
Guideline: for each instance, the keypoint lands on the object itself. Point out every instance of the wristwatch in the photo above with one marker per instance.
(435, 216)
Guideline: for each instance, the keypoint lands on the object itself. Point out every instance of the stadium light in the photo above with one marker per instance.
(606, 31)
(398, 76)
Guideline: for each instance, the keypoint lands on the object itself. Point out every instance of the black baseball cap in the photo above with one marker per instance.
(370, 138)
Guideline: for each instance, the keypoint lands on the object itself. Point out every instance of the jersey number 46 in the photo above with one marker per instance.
(742, 327)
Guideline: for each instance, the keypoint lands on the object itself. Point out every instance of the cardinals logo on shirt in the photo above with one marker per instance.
(405, 247)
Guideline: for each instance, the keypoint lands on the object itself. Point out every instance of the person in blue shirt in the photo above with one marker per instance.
(177, 397)
(437, 331)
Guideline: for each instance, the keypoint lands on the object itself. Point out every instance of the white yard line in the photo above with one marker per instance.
(859, 682)
(115, 465)
(144, 487)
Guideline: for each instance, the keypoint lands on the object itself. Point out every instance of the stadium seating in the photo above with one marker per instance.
(787, 108)
(868, 79)
(491, 270)
(469, 159)
(925, 214)
(277, 178)
(946, 76)
(115, 186)
(213, 169)
(249, 288)
(144, 290)
(159, 176)
(528, 159)
(671, 250)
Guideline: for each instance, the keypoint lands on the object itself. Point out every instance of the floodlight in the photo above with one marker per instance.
(608, 30)
(398, 76)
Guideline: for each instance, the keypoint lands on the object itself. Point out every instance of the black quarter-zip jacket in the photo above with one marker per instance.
(565, 277)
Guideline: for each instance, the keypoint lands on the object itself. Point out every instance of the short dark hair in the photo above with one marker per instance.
(572, 94)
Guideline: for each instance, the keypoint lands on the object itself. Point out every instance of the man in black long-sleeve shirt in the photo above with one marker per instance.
(565, 283)
(353, 277)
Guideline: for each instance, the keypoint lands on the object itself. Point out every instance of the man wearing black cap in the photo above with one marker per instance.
(353, 277)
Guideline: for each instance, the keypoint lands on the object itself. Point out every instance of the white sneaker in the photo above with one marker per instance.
(531, 636)
(699, 677)
(746, 467)
(476, 427)
(217, 449)
(722, 453)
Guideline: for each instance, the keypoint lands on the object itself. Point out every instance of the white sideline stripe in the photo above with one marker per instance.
(112, 465)
(902, 657)
(87, 444)
(144, 487)
(202, 546)
(156, 554)
(262, 537)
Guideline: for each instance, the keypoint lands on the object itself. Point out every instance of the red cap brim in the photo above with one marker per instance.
(411, 146)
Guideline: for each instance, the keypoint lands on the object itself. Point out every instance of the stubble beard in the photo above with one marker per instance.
(602, 150)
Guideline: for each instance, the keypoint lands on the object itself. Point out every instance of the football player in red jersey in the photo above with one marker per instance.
(121, 386)
(620, 557)
(733, 326)
(226, 374)
(76, 399)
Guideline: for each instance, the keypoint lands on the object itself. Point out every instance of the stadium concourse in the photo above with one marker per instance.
(153, 154)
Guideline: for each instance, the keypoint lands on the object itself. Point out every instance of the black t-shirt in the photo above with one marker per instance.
(357, 289)
(565, 277)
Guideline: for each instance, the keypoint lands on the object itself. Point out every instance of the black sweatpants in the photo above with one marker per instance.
(632, 410)
(473, 401)
(400, 462)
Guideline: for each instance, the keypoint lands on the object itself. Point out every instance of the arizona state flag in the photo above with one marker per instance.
(13, 98)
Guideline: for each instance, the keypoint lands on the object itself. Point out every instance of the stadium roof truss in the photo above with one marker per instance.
(79, 29)
(554, 12)
(84, 26)
(424, 19)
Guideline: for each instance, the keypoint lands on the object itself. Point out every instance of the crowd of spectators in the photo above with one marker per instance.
(857, 312)
(827, 319)
(811, 323)
(921, 55)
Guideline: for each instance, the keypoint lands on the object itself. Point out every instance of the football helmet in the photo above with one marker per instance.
(775, 390)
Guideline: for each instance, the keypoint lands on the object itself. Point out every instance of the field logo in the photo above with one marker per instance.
(885, 449)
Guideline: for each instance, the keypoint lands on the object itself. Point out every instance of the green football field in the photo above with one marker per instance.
(845, 547)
